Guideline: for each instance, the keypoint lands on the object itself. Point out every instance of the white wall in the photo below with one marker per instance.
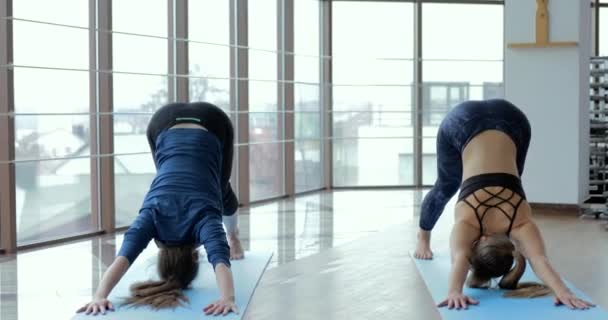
(586, 37)
(551, 86)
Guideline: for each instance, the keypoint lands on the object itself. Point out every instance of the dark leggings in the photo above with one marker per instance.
(459, 126)
(216, 122)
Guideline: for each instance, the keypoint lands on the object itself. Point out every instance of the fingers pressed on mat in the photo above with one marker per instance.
(218, 310)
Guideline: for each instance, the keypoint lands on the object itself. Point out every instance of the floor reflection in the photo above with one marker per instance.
(296, 228)
(51, 283)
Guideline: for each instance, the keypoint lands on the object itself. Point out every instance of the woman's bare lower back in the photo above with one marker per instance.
(491, 151)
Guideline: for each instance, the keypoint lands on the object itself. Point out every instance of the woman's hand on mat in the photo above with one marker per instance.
(222, 306)
(98, 305)
(571, 301)
(457, 300)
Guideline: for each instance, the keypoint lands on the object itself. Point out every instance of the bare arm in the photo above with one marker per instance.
(227, 302)
(533, 248)
(461, 240)
(110, 278)
(214, 239)
(225, 283)
(458, 273)
(136, 239)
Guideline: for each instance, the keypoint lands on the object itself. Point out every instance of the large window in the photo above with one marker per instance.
(307, 107)
(266, 165)
(372, 93)
(374, 89)
(53, 165)
(384, 116)
(140, 65)
(209, 52)
(209, 58)
(462, 62)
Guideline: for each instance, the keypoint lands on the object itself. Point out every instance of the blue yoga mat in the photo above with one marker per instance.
(492, 305)
(247, 274)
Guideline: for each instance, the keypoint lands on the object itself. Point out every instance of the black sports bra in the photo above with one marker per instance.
(483, 181)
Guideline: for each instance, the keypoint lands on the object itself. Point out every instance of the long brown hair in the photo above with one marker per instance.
(177, 267)
(494, 258)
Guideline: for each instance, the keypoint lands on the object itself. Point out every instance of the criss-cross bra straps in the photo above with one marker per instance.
(482, 207)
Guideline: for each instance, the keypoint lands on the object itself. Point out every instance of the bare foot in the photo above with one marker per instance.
(423, 246)
(236, 249)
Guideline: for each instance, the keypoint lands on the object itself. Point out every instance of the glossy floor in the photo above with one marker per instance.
(338, 255)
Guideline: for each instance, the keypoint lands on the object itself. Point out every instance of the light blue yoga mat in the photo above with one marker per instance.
(247, 274)
(492, 305)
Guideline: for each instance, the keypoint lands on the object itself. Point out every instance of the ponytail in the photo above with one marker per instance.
(157, 294)
(510, 281)
(494, 258)
(177, 267)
